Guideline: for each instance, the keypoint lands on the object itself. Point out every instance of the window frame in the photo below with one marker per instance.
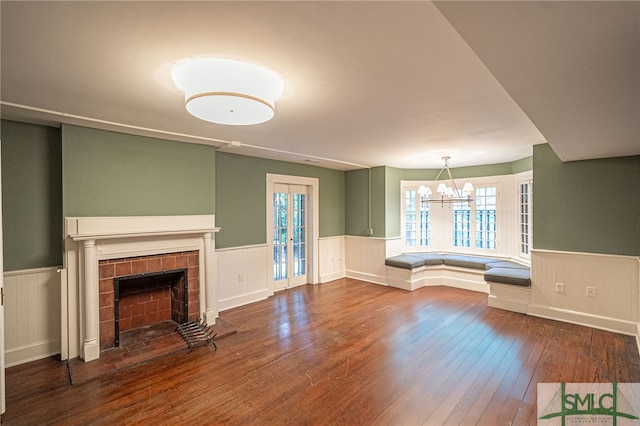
(495, 222)
(406, 186)
(529, 214)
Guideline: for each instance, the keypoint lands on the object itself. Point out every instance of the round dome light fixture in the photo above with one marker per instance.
(225, 91)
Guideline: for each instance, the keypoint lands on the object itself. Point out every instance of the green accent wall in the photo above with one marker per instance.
(523, 165)
(31, 196)
(590, 206)
(116, 174)
(357, 202)
(241, 185)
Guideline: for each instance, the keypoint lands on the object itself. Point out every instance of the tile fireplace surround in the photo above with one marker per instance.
(89, 240)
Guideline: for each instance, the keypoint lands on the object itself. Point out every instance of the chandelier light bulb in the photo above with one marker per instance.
(451, 192)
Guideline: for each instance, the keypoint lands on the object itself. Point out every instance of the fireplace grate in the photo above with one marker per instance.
(196, 334)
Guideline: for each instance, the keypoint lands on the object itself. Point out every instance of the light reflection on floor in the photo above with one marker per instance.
(291, 318)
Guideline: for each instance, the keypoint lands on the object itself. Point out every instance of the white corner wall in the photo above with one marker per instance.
(332, 258)
(242, 276)
(32, 315)
(365, 258)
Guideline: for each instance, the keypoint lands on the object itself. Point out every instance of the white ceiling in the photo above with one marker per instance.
(366, 83)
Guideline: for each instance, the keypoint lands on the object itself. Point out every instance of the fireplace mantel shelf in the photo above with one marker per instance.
(108, 236)
(102, 228)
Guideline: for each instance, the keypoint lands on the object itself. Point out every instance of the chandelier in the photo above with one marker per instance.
(229, 92)
(448, 193)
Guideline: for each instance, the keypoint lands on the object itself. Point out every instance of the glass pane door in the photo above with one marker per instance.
(299, 235)
(289, 235)
(280, 235)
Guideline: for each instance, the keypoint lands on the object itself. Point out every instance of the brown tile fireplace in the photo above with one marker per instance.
(145, 290)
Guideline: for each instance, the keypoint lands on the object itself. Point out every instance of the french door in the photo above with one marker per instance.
(290, 235)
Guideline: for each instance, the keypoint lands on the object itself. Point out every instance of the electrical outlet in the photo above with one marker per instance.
(591, 292)
(240, 278)
(559, 287)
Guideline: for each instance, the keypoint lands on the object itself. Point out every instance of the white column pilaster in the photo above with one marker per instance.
(210, 278)
(91, 343)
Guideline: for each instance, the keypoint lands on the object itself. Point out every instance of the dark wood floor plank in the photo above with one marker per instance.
(344, 352)
(443, 368)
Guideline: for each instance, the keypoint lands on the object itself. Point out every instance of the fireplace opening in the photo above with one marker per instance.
(149, 298)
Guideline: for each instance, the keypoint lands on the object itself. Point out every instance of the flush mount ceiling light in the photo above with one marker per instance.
(448, 193)
(224, 91)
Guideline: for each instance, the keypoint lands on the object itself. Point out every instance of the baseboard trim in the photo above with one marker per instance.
(508, 305)
(482, 287)
(32, 352)
(362, 276)
(244, 299)
(331, 277)
(603, 323)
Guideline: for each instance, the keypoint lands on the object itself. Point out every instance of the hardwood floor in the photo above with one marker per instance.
(345, 352)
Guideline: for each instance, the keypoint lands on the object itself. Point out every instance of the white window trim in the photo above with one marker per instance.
(522, 178)
(406, 185)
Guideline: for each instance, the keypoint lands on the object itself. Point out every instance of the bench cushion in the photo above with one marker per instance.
(431, 259)
(509, 276)
(405, 261)
(506, 264)
(497, 270)
(467, 261)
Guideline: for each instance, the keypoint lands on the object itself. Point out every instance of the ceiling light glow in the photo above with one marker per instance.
(229, 92)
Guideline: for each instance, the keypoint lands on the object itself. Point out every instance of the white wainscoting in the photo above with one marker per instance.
(242, 276)
(365, 258)
(332, 258)
(616, 280)
(32, 315)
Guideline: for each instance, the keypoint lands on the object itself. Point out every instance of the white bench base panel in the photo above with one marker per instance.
(504, 296)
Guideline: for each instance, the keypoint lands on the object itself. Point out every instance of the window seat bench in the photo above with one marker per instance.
(508, 283)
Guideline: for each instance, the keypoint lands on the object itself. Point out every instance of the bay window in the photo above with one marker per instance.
(498, 222)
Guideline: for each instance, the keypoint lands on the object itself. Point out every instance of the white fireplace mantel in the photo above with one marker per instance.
(90, 239)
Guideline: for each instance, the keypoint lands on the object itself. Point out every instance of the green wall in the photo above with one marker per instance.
(116, 174)
(588, 206)
(48, 173)
(357, 201)
(241, 184)
(31, 196)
